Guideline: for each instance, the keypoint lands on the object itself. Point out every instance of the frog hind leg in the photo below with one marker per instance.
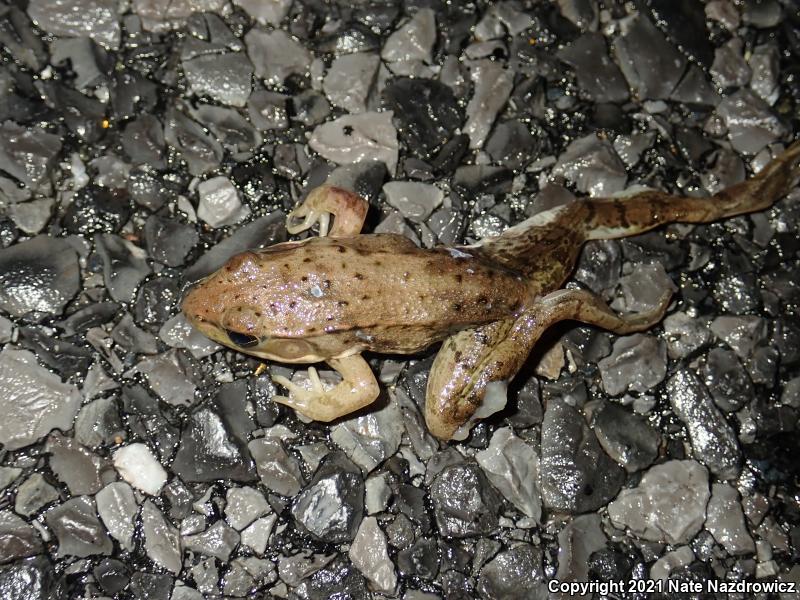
(619, 217)
(474, 366)
(357, 389)
(347, 209)
(545, 247)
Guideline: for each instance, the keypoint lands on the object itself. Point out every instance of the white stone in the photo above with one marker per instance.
(220, 203)
(138, 466)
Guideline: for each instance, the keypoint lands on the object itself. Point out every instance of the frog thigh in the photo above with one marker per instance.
(348, 209)
(357, 389)
(469, 375)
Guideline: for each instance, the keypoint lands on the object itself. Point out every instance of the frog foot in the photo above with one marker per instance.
(357, 389)
(347, 209)
(307, 217)
(300, 398)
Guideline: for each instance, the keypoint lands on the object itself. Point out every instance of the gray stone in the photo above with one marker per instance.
(597, 74)
(208, 451)
(244, 505)
(764, 62)
(256, 536)
(276, 55)
(162, 542)
(684, 334)
(645, 286)
(725, 520)
(727, 380)
(96, 19)
(638, 362)
(577, 541)
(143, 141)
(267, 110)
(201, 150)
(371, 438)
(34, 400)
(370, 556)
(492, 87)
(17, 539)
(117, 508)
(750, 121)
(8, 475)
(575, 475)
(513, 468)
(32, 216)
(226, 78)
(464, 502)
(157, 16)
(730, 69)
(178, 333)
(33, 494)
(350, 80)
(415, 200)
(354, 138)
(166, 374)
(593, 166)
(124, 265)
(82, 471)
(412, 42)
(713, 441)
(742, 334)
(40, 275)
(668, 505)
(266, 12)
(78, 530)
(279, 471)
(649, 62)
(218, 541)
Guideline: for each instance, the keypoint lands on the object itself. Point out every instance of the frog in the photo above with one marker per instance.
(332, 297)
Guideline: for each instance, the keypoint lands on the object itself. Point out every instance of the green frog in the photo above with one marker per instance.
(333, 297)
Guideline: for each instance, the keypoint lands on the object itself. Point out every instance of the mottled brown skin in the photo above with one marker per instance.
(332, 298)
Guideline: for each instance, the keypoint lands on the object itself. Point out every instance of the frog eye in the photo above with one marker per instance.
(243, 340)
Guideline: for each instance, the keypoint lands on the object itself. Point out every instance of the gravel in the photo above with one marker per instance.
(143, 144)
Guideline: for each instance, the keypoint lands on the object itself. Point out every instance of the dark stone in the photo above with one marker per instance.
(726, 379)
(207, 451)
(576, 476)
(465, 503)
(97, 210)
(31, 579)
(151, 586)
(420, 560)
(331, 506)
(684, 22)
(426, 113)
(112, 575)
(156, 301)
(338, 579)
(169, 241)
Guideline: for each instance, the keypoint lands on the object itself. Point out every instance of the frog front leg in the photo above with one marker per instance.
(347, 208)
(469, 376)
(357, 389)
